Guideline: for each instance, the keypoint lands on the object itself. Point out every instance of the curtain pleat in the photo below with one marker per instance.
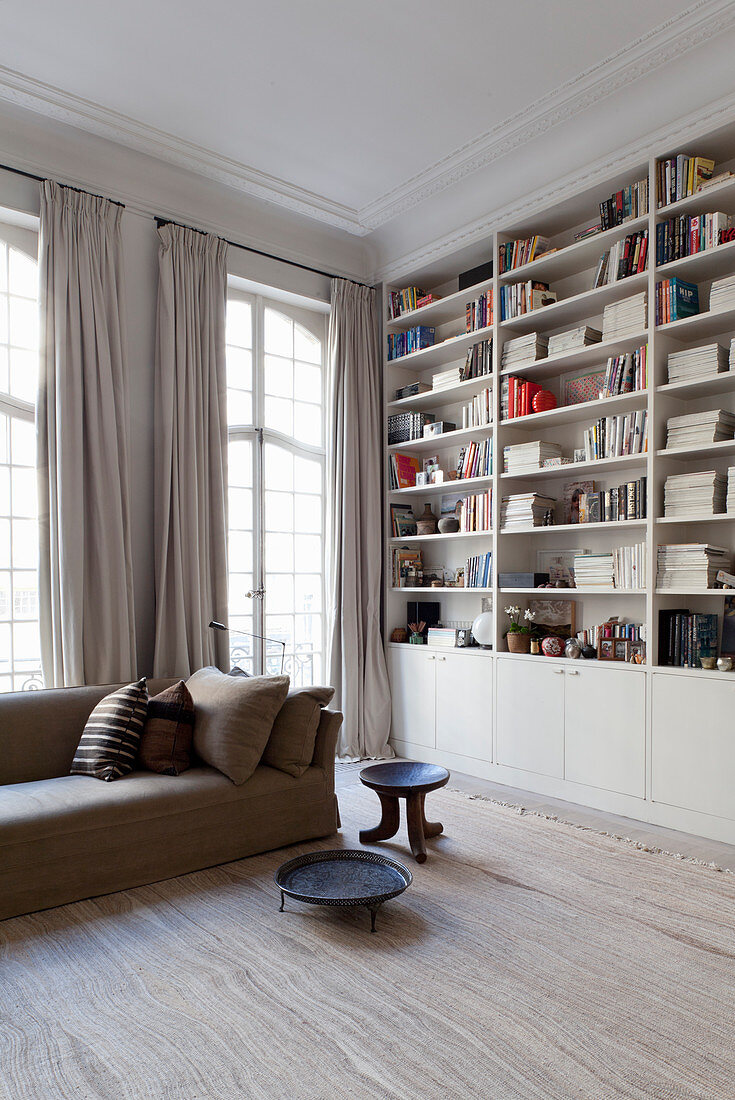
(190, 452)
(356, 659)
(85, 573)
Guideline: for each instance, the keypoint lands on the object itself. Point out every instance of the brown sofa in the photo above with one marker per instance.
(66, 837)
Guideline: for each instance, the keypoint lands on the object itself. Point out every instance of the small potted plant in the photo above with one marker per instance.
(518, 635)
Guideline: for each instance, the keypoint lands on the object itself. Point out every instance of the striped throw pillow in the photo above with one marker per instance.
(111, 736)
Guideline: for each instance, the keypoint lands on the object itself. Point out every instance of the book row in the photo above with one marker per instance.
(687, 235)
(683, 638)
(675, 299)
(626, 257)
(629, 202)
(616, 436)
(518, 299)
(680, 176)
(413, 339)
(478, 571)
(626, 373)
(406, 300)
(479, 313)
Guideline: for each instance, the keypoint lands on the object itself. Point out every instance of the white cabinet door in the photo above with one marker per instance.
(530, 716)
(412, 676)
(605, 728)
(693, 750)
(464, 705)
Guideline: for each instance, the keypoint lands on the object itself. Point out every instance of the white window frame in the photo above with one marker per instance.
(315, 321)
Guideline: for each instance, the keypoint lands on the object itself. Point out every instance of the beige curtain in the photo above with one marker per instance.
(190, 462)
(85, 576)
(356, 659)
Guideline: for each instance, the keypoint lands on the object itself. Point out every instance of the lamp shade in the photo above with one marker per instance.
(483, 629)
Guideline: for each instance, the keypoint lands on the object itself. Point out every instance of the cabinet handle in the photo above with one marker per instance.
(441, 658)
(430, 657)
(574, 672)
(559, 671)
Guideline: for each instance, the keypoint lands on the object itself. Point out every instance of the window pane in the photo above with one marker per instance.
(309, 631)
(240, 463)
(23, 322)
(23, 274)
(279, 553)
(306, 346)
(4, 544)
(23, 442)
(3, 265)
(5, 608)
(307, 423)
(307, 515)
(239, 368)
(280, 628)
(279, 415)
(4, 491)
(307, 475)
(279, 593)
(240, 551)
(24, 533)
(239, 328)
(3, 319)
(26, 643)
(278, 334)
(240, 504)
(308, 592)
(4, 368)
(279, 467)
(239, 407)
(278, 376)
(309, 553)
(24, 492)
(239, 602)
(24, 374)
(307, 383)
(25, 594)
(278, 512)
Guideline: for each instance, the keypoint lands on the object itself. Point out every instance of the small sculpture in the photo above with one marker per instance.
(572, 648)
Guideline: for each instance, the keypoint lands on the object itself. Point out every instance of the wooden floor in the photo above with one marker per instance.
(670, 840)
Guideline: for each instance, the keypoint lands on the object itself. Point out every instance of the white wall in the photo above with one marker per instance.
(145, 185)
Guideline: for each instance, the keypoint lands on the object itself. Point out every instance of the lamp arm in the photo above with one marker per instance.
(261, 637)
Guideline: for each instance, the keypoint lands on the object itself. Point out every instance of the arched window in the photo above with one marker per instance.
(20, 651)
(276, 391)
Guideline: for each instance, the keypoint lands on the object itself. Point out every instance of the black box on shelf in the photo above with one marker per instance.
(522, 580)
(423, 611)
(475, 275)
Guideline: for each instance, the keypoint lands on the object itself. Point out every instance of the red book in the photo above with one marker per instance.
(533, 389)
(644, 251)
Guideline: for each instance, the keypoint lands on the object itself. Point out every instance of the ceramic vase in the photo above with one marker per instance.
(426, 523)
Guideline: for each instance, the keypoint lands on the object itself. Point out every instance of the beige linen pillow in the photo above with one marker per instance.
(290, 746)
(233, 718)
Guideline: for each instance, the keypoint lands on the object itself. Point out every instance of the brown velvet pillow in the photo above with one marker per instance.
(166, 744)
(233, 718)
(290, 746)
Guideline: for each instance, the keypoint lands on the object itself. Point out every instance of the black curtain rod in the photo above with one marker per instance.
(42, 179)
(268, 255)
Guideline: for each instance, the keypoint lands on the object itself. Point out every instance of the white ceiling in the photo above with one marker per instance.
(345, 110)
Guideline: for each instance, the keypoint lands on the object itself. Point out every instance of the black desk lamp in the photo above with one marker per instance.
(261, 637)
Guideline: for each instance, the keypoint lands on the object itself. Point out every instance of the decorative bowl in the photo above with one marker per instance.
(543, 401)
(552, 646)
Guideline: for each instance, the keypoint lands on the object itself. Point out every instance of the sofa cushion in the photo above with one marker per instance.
(290, 746)
(233, 718)
(111, 737)
(166, 744)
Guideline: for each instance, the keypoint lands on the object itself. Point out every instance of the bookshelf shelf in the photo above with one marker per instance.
(702, 450)
(702, 387)
(719, 517)
(692, 592)
(459, 485)
(438, 313)
(575, 257)
(706, 201)
(566, 593)
(563, 528)
(702, 265)
(585, 411)
(591, 354)
(441, 442)
(573, 468)
(589, 303)
(700, 325)
(454, 589)
(437, 399)
(445, 352)
(450, 537)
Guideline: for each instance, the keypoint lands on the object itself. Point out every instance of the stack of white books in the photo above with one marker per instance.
(446, 378)
(629, 566)
(691, 565)
(695, 429)
(722, 293)
(699, 493)
(521, 457)
(730, 500)
(522, 511)
(702, 362)
(594, 571)
(442, 636)
(525, 349)
(575, 338)
(625, 318)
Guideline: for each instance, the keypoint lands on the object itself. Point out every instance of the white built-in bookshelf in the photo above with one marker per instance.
(617, 735)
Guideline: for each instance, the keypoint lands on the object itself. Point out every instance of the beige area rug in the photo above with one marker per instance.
(528, 960)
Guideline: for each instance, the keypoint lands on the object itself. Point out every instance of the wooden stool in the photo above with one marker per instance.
(410, 780)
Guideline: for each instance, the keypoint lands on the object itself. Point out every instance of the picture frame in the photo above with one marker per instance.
(606, 649)
(636, 653)
(559, 564)
(554, 617)
(422, 478)
(620, 649)
(404, 526)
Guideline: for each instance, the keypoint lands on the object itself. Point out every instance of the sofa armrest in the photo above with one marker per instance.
(325, 746)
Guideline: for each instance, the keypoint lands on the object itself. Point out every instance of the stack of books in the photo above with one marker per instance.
(476, 512)
(409, 425)
(694, 494)
(691, 565)
(517, 253)
(522, 511)
(593, 571)
(675, 300)
(730, 499)
(479, 313)
(694, 429)
(413, 389)
(403, 470)
(479, 360)
(685, 235)
(626, 257)
(683, 638)
(518, 458)
(403, 301)
(680, 176)
(629, 566)
(442, 636)
(625, 373)
(475, 460)
(629, 202)
(575, 338)
(626, 317)
(478, 571)
(479, 411)
(524, 350)
(414, 339)
(702, 362)
(517, 299)
(722, 293)
(620, 502)
(615, 436)
(445, 379)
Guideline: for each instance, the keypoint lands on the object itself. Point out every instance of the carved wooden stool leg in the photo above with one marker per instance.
(415, 819)
(431, 828)
(388, 825)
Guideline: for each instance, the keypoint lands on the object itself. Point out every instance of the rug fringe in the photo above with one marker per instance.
(640, 845)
